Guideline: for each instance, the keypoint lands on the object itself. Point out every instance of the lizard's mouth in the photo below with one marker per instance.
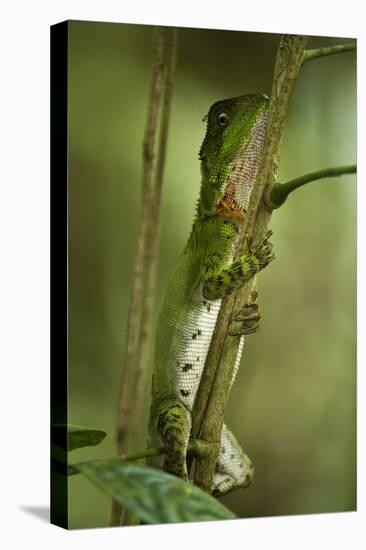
(242, 173)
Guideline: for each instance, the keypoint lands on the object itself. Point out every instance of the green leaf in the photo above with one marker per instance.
(77, 436)
(153, 495)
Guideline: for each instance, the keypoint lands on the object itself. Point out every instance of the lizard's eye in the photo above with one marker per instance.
(223, 118)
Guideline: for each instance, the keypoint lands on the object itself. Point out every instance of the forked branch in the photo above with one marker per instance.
(215, 384)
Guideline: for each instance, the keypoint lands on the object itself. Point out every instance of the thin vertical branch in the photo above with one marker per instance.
(137, 420)
(137, 411)
(212, 399)
(139, 266)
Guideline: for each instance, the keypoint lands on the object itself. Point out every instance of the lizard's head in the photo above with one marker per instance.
(231, 154)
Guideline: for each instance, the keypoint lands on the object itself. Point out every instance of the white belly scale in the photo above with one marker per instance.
(185, 366)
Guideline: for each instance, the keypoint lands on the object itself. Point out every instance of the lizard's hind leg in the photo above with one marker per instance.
(174, 426)
(234, 468)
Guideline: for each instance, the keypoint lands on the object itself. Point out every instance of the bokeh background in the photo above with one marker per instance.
(293, 404)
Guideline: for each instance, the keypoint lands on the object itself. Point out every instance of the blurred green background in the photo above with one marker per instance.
(293, 404)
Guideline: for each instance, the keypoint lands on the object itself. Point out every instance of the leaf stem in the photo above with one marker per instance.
(196, 447)
(328, 50)
(278, 193)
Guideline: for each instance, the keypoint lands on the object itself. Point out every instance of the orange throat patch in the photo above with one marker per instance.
(229, 208)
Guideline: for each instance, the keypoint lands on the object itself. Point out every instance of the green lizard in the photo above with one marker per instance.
(230, 156)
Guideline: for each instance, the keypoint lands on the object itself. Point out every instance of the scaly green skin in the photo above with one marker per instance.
(230, 156)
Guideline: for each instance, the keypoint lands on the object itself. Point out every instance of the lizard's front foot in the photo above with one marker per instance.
(263, 251)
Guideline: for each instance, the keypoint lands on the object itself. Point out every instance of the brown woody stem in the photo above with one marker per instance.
(214, 390)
